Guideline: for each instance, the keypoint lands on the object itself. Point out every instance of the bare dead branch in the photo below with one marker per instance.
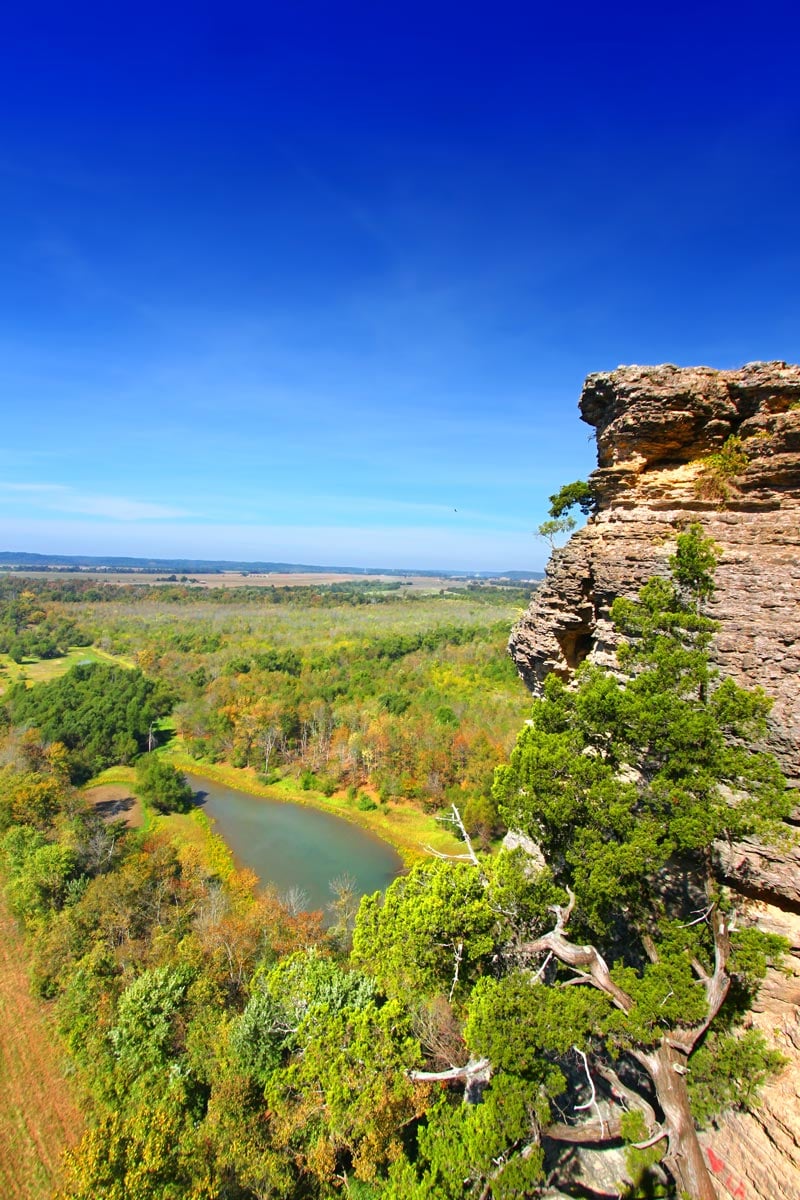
(447, 857)
(580, 977)
(590, 1133)
(716, 985)
(457, 821)
(458, 954)
(535, 978)
(563, 914)
(650, 947)
(475, 1067)
(593, 1098)
(470, 856)
(700, 971)
(525, 1152)
(703, 916)
(660, 1133)
(576, 957)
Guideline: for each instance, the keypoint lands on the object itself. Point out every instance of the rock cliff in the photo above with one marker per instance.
(656, 427)
(665, 459)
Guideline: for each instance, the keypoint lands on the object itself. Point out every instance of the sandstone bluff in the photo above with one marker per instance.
(656, 428)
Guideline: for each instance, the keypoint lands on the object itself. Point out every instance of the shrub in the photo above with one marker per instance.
(578, 494)
(717, 471)
(164, 786)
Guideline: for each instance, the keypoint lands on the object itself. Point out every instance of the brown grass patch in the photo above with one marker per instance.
(38, 1114)
(116, 801)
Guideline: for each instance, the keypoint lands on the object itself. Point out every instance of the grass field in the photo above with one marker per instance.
(38, 1114)
(192, 834)
(41, 670)
(248, 628)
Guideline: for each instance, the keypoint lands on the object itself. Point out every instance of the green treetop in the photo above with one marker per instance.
(573, 495)
(621, 959)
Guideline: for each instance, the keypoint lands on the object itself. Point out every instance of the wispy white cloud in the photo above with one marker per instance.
(59, 498)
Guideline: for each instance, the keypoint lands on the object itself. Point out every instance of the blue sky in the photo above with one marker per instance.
(320, 282)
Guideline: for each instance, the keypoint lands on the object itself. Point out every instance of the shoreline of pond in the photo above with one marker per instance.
(401, 825)
(285, 845)
(294, 847)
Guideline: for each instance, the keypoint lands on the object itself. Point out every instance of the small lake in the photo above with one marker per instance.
(290, 845)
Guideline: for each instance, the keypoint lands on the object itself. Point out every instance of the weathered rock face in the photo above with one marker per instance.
(655, 425)
(757, 1154)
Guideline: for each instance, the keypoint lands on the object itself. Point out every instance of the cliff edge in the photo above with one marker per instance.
(677, 445)
(656, 428)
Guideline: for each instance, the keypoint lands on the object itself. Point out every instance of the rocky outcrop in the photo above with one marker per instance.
(656, 429)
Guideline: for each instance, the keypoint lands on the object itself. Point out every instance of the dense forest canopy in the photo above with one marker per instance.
(351, 685)
(29, 627)
(476, 1023)
(100, 713)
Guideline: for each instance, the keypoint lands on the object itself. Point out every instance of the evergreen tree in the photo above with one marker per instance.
(163, 785)
(617, 957)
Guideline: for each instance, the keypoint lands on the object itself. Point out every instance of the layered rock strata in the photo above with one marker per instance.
(657, 429)
(756, 1155)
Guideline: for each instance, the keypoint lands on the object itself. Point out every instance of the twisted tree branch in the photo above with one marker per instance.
(572, 955)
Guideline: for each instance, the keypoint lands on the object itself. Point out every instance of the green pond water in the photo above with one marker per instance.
(289, 845)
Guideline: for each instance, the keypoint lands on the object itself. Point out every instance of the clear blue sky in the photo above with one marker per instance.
(320, 282)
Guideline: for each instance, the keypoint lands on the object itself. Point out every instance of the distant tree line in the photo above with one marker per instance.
(328, 595)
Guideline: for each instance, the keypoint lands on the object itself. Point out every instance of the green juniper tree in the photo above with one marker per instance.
(163, 785)
(622, 958)
(625, 784)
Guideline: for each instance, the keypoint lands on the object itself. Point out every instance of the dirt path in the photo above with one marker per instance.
(38, 1115)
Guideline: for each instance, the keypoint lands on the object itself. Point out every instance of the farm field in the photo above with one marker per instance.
(266, 579)
(39, 1117)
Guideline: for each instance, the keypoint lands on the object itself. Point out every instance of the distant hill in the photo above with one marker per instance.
(22, 560)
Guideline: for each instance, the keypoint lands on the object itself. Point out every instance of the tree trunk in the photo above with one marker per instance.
(684, 1158)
